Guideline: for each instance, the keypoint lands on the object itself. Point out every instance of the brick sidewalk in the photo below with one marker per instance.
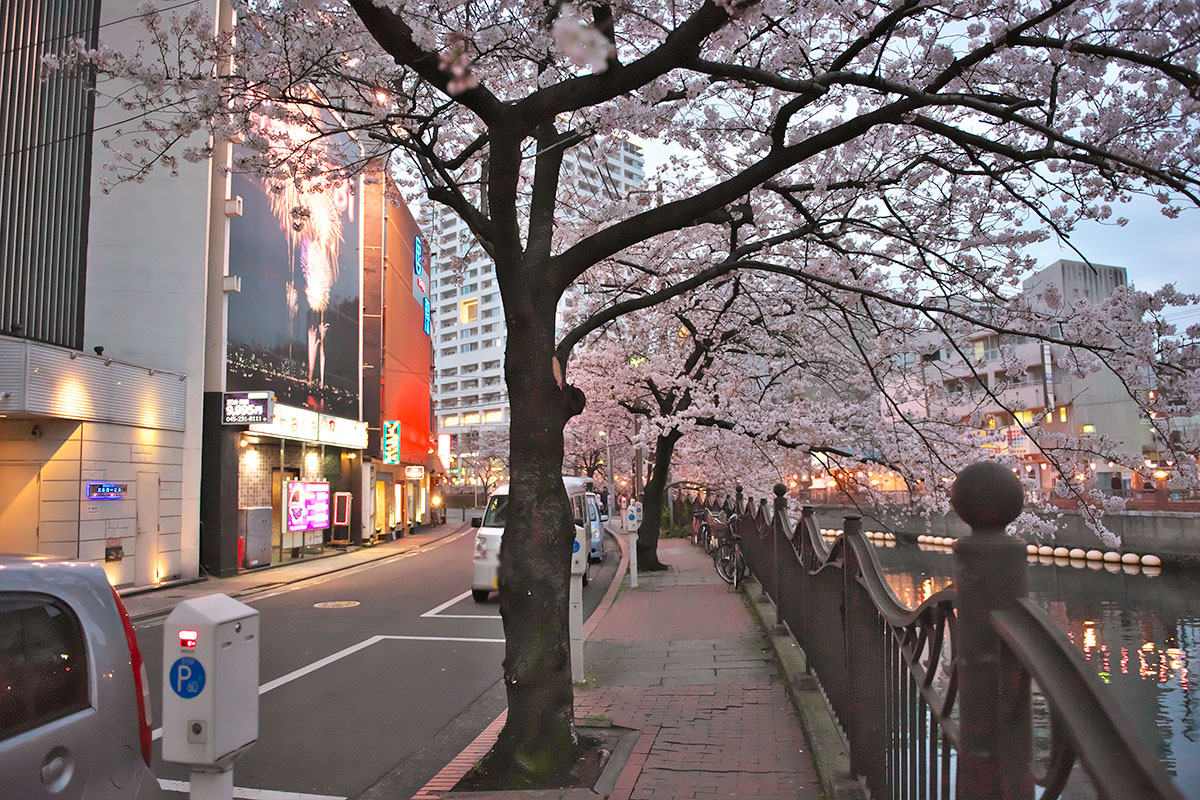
(680, 660)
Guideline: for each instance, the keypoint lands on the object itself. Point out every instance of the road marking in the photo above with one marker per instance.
(250, 794)
(354, 648)
(433, 613)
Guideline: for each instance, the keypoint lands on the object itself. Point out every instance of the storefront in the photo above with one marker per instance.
(300, 465)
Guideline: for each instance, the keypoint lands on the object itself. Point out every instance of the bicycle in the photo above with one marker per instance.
(728, 558)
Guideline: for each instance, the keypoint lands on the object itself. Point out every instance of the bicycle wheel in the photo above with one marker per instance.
(723, 560)
(739, 568)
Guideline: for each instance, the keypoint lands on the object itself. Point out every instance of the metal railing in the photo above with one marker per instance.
(937, 701)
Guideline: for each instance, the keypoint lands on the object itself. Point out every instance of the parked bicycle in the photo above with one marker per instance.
(727, 556)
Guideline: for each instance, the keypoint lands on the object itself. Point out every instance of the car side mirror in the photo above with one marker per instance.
(604, 517)
(579, 522)
(476, 522)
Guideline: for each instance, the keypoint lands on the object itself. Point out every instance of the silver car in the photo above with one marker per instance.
(74, 698)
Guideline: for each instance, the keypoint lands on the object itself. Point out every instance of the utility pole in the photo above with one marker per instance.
(637, 461)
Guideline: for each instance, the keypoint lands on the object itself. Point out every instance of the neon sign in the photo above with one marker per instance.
(428, 317)
(103, 490)
(391, 441)
(418, 253)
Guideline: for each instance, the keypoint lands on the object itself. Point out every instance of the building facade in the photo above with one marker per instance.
(102, 301)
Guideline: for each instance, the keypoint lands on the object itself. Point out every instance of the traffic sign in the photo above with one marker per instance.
(187, 677)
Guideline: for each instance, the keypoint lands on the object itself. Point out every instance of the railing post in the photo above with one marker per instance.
(738, 501)
(778, 537)
(995, 743)
(805, 553)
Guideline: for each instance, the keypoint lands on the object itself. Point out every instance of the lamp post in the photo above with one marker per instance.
(608, 465)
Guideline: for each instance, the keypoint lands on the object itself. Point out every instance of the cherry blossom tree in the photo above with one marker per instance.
(879, 155)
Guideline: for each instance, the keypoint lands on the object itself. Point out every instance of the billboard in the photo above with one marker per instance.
(307, 506)
(294, 326)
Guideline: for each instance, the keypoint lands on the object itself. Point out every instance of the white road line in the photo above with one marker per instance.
(354, 648)
(433, 613)
(250, 794)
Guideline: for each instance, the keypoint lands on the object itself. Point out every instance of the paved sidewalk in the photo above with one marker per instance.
(681, 661)
(144, 604)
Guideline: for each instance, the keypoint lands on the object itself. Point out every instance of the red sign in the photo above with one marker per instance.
(341, 508)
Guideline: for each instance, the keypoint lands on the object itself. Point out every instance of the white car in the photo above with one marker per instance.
(490, 529)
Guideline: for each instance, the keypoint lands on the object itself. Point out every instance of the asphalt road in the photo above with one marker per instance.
(370, 699)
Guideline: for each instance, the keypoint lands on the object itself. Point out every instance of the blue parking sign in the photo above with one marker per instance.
(186, 677)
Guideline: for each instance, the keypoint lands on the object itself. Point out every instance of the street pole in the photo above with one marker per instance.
(637, 462)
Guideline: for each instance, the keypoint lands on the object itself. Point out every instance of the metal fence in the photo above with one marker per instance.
(937, 701)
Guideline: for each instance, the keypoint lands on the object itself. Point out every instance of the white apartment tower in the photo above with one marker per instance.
(468, 319)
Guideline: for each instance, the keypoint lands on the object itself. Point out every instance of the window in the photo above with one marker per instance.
(447, 351)
(450, 422)
(43, 660)
(491, 365)
(494, 415)
(470, 368)
(473, 383)
(468, 311)
(449, 337)
(448, 371)
(470, 288)
(468, 347)
(488, 328)
(488, 313)
(449, 387)
(471, 419)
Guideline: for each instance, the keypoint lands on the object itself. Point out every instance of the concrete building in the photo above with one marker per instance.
(469, 329)
(102, 300)
(131, 320)
(1047, 394)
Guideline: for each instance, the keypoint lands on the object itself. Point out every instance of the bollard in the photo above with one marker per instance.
(995, 740)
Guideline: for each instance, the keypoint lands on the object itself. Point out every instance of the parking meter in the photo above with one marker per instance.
(579, 552)
(210, 687)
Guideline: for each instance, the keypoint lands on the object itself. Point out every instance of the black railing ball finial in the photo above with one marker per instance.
(780, 490)
(987, 496)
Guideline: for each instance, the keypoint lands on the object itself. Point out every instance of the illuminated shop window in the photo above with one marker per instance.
(495, 415)
(450, 422)
(471, 419)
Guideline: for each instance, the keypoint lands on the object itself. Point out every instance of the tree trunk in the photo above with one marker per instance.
(538, 740)
(652, 503)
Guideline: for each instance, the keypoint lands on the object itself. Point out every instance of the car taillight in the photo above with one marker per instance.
(141, 684)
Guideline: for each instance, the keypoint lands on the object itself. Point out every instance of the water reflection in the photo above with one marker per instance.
(1140, 632)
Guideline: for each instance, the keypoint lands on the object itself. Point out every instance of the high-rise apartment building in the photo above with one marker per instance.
(468, 318)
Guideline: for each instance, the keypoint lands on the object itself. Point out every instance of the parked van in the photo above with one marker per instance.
(490, 529)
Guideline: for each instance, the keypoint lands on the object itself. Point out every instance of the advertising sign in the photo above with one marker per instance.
(391, 441)
(414, 473)
(307, 507)
(106, 490)
(342, 432)
(289, 422)
(341, 508)
(295, 325)
(244, 408)
(444, 449)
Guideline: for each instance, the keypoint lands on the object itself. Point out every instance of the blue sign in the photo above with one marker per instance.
(187, 677)
(575, 547)
(427, 316)
(418, 253)
(104, 490)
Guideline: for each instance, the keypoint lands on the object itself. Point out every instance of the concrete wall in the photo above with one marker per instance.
(66, 456)
(147, 272)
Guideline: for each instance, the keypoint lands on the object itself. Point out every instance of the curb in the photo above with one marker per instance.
(830, 755)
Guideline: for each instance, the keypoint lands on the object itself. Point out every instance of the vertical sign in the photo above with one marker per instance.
(420, 284)
(444, 449)
(341, 508)
(391, 441)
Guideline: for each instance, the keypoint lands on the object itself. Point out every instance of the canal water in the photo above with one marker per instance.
(1140, 632)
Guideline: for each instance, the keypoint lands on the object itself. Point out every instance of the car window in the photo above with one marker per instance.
(43, 662)
(496, 511)
(593, 514)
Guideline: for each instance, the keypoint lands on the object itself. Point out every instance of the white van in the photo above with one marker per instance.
(491, 528)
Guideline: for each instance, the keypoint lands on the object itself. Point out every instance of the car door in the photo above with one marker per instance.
(48, 725)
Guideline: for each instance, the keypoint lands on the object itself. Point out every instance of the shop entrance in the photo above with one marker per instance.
(19, 494)
(278, 476)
